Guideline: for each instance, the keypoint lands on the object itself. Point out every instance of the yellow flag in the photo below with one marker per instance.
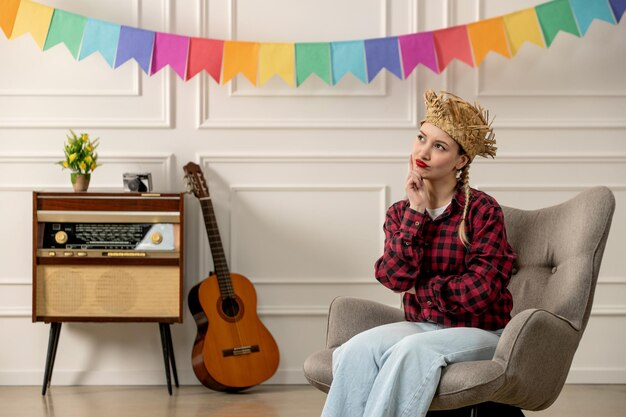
(523, 26)
(487, 35)
(33, 18)
(277, 59)
(240, 57)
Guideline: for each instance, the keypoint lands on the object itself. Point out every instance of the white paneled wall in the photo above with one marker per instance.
(300, 178)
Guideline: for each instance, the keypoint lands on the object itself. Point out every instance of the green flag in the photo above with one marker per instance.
(555, 16)
(66, 28)
(312, 58)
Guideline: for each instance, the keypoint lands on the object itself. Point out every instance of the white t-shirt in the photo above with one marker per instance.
(434, 213)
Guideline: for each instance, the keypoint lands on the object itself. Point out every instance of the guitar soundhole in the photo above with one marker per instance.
(230, 307)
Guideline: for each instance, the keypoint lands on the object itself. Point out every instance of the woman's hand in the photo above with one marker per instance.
(415, 189)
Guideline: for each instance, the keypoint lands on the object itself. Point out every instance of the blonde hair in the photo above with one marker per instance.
(464, 179)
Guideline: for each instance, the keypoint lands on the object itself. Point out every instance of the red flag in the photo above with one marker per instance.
(453, 43)
(205, 54)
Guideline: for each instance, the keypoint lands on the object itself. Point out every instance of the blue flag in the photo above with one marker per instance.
(619, 7)
(100, 36)
(135, 43)
(382, 53)
(348, 57)
(587, 10)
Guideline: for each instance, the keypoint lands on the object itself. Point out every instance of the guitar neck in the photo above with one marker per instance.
(217, 249)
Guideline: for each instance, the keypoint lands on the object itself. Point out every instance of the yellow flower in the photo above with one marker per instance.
(65, 164)
(89, 148)
(88, 159)
(85, 137)
(72, 157)
(82, 166)
(93, 166)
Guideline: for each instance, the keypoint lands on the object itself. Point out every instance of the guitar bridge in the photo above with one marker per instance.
(241, 350)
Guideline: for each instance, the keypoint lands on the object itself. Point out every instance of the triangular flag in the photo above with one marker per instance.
(277, 59)
(205, 54)
(488, 35)
(382, 53)
(8, 12)
(521, 27)
(240, 57)
(33, 18)
(556, 16)
(313, 58)
(418, 48)
(100, 36)
(348, 56)
(587, 10)
(136, 44)
(170, 50)
(452, 43)
(66, 28)
(619, 7)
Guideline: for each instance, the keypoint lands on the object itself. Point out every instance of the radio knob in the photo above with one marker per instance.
(156, 238)
(60, 237)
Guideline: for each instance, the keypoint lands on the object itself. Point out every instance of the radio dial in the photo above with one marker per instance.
(60, 237)
(157, 238)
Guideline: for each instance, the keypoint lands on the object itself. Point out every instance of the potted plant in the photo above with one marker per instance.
(81, 158)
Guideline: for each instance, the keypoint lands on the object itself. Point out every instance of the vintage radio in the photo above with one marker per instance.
(107, 257)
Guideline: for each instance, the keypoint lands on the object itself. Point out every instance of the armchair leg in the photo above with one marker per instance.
(480, 410)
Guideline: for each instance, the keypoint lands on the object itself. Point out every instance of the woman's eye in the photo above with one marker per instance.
(440, 147)
(421, 138)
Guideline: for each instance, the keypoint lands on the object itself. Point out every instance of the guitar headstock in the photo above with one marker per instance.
(195, 180)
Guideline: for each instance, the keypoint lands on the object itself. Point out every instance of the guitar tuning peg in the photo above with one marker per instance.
(188, 187)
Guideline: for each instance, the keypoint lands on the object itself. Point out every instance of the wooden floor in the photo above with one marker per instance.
(262, 401)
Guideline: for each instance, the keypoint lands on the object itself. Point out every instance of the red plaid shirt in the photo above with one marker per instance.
(454, 285)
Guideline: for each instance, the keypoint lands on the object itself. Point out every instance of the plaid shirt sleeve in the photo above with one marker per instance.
(489, 261)
(399, 265)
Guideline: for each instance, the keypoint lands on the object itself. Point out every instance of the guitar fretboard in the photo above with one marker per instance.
(217, 249)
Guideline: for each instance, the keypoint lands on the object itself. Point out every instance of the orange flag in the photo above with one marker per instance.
(522, 27)
(240, 57)
(8, 11)
(488, 35)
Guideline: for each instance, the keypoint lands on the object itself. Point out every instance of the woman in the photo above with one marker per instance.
(446, 250)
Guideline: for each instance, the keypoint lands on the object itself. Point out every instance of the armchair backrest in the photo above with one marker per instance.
(559, 251)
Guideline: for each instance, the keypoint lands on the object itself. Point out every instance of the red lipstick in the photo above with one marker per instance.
(421, 163)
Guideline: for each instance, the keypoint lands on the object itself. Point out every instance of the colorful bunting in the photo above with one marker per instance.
(100, 36)
(587, 10)
(452, 43)
(205, 54)
(521, 27)
(418, 48)
(277, 59)
(240, 57)
(66, 28)
(313, 58)
(488, 35)
(33, 18)
(8, 12)
(170, 50)
(295, 63)
(348, 56)
(618, 7)
(135, 44)
(554, 17)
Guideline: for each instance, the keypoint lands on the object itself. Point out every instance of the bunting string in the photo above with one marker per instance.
(294, 63)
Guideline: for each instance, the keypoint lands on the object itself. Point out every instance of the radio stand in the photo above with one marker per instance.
(108, 257)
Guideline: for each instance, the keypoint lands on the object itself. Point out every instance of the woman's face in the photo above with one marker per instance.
(435, 154)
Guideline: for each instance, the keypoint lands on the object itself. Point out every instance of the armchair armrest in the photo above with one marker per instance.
(349, 316)
(536, 350)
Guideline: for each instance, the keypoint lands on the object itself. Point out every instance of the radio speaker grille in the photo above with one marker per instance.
(107, 291)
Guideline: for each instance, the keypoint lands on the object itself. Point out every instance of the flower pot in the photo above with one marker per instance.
(80, 182)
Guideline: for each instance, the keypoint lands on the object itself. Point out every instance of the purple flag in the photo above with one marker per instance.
(382, 53)
(135, 43)
(618, 6)
(418, 48)
(170, 50)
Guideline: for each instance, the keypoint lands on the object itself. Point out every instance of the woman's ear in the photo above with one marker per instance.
(463, 160)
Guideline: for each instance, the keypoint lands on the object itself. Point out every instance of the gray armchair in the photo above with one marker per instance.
(559, 250)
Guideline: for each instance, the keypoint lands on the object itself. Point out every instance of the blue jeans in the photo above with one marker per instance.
(393, 370)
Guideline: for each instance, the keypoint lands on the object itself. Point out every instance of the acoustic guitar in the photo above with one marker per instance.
(233, 349)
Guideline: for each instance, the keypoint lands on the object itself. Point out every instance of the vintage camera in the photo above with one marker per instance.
(138, 182)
